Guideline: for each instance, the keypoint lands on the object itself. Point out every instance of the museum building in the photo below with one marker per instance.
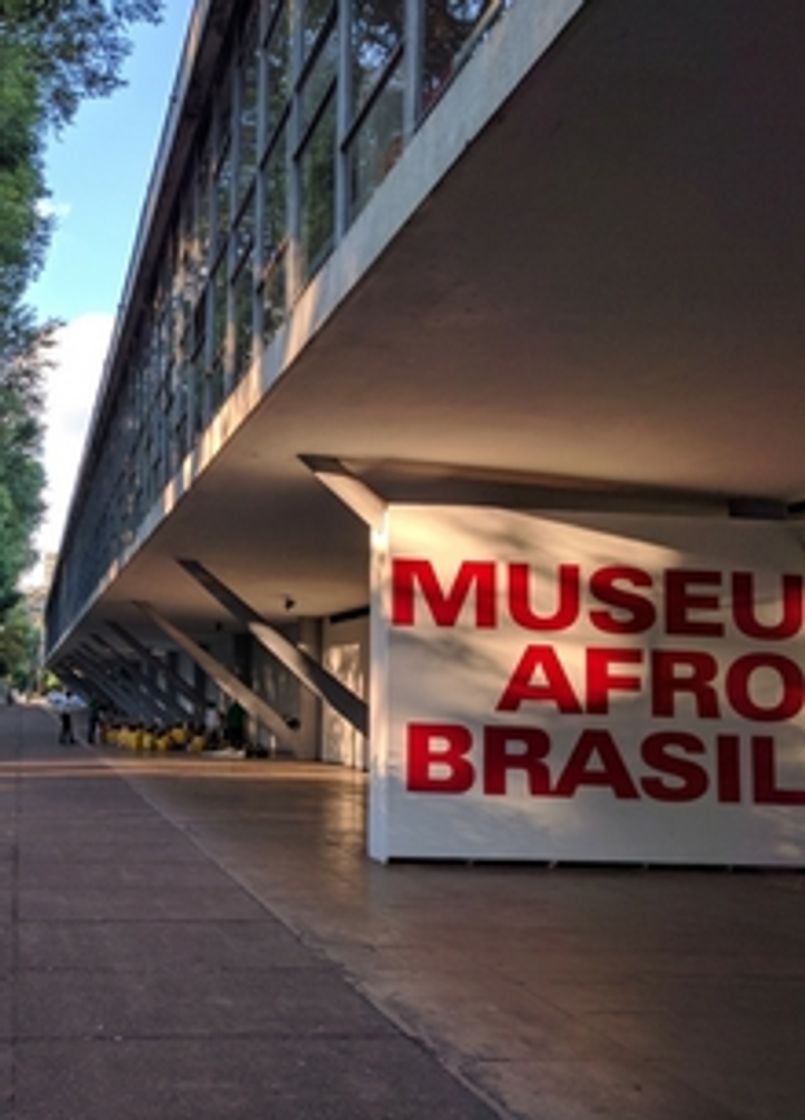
(452, 420)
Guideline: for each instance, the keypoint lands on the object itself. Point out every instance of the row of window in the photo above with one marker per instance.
(309, 112)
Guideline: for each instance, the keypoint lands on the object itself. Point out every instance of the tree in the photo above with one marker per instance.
(74, 48)
(53, 54)
(19, 644)
(22, 356)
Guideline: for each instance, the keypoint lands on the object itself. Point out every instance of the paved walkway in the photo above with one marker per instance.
(198, 938)
(141, 982)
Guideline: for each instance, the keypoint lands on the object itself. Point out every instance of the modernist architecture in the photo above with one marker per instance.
(450, 313)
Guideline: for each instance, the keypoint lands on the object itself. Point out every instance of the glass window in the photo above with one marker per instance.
(223, 99)
(319, 80)
(200, 321)
(377, 144)
(179, 441)
(244, 229)
(215, 388)
(197, 376)
(187, 257)
(275, 181)
(376, 31)
(217, 291)
(242, 302)
(247, 111)
(277, 71)
(274, 297)
(223, 183)
(317, 164)
(314, 16)
(449, 26)
(203, 199)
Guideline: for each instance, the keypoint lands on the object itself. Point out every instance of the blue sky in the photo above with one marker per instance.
(97, 172)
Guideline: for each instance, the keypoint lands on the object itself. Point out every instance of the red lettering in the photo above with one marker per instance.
(764, 772)
(443, 746)
(499, 760)
(738, 679)
(444, 607)
(564, 614)
(639, 610)
(555, 687)
(698, 671)
(658, 753)
(681, 601)
(743, 598)
(601, 680)
(728, 761)
(611, 770)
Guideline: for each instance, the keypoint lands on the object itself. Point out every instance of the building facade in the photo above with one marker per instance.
(521, 255)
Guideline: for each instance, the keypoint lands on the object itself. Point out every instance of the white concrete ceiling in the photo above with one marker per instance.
(608, 288)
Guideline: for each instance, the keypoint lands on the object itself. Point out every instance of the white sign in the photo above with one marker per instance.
(601, 687)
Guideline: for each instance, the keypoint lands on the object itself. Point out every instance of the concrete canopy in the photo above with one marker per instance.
(605, 290)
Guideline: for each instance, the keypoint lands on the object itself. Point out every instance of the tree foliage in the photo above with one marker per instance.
(19, 644)
(53, 54)
(74, 48)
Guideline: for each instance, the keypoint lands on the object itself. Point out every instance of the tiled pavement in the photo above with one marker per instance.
(206, 939)
(140, 981)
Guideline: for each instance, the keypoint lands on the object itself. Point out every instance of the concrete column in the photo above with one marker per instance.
(165, 706)
(310, 705)
(171, 678)
(308, 671)
(129, 704)
(226, 680)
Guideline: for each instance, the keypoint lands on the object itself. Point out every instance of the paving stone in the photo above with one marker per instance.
(65, 1004)
(137, 903)
(388, 1078)
(6, 1025)
(149, 945)
(145, 872)
(6, 1084)
(589, 1089)
(94, 846)
(564, 995)
(6, 943)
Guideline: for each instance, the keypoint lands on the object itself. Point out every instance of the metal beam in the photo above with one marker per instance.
(174, 679)
(306, 669)
(348, 488)
(226, 680)
(124, 679)
(168, 706)
(129, 705)
(82, 683)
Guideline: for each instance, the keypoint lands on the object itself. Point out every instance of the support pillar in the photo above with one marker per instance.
(226, 680)
(173, 678)
(305, 668)
(166, 705)
(128, 703)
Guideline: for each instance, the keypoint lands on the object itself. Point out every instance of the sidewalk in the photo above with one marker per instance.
(141, 982)
(204, 938)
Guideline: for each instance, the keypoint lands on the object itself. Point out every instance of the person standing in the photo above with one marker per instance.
(235, 727)
(66, 719)
(93, 716)
(212, 725)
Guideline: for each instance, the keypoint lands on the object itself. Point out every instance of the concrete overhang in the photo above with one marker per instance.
(604, 292)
